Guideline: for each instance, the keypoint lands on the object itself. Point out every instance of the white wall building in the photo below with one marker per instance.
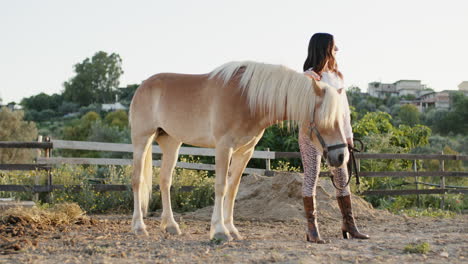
(399, 88)
(425, 98)
(381, 90)
(463, 87)
(113, 107)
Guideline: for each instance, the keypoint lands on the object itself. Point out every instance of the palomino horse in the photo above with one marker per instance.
(227, 109)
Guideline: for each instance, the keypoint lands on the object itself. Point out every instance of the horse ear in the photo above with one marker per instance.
(317, 89)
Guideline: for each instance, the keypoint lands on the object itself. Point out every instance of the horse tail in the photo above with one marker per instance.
(147, 184)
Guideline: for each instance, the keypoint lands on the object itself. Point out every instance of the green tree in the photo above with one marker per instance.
(354, 114)
(391, 101)
(68, 107)
(118, 119)
(354, 95)
(42, 102)
(373, 123)
(14, 128)
(411, 137)
(459, 113)
(453, 120)
(80, 129)
(408, 114)
(101, 132)
(95, 81)
(405, 137)
(437, 119)
(45, 115)
(126, 93)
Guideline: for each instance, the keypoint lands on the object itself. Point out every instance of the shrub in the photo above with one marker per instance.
(14, 128)
(201, 194)
(422, 248)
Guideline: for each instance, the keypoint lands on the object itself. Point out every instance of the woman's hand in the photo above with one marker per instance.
(350, 142)
(313, 75)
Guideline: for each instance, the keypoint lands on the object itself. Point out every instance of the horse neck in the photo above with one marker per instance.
(269, 119)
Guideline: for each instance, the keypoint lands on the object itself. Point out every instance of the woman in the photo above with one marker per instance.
(321, 66)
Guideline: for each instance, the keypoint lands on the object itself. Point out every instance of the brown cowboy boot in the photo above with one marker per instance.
(312, 234)
(348, 220)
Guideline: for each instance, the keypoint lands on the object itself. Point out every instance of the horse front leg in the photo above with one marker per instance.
(218, 231)
(238, 164)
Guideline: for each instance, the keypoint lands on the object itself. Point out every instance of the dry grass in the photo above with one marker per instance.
(20, 226)
(59, 214)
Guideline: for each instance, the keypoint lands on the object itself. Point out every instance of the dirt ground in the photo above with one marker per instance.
(273, 231)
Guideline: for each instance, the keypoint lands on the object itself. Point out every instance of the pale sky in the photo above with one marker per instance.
(385, 41)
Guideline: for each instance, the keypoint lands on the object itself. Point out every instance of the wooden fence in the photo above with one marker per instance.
(45, 161)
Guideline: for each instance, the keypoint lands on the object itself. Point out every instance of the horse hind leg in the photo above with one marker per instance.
(141, 180)
(170, 149)
(238, 164)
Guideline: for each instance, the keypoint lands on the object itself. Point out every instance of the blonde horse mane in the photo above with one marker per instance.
(278, 90)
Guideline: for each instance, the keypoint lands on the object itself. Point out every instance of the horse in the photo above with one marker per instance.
(227, 109)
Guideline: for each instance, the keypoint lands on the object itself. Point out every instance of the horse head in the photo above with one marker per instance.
(326, 126)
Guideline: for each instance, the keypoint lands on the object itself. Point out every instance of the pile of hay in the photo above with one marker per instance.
(20, 226)
(20, 221)
(59, 214)
(279, 198)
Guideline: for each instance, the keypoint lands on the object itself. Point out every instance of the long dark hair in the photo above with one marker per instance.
(320, 52)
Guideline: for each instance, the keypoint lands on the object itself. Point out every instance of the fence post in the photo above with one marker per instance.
(442, 181)
(415, 168)
(36, 180)
(48, 153)
(267, 162)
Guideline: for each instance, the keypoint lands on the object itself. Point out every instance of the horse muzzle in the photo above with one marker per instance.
(336, 155)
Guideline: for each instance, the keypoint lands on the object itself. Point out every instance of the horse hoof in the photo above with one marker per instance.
(173, 230)
(236, 236)
(141, 232)
(222, 237)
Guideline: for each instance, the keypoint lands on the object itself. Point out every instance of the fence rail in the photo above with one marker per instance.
(29, 145)
(25, 167)
(122, 162)
(44, 163)
(400, 174)
(412, 192)
(384, 156)
(115, 147)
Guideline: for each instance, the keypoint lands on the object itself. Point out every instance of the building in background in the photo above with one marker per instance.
(439, 100)
(12, 106)
(113, 107)
(463, 87)
(381, 90)
(424, 97)
(398, 88)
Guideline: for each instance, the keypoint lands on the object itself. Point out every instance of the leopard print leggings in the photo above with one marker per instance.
(311, 159)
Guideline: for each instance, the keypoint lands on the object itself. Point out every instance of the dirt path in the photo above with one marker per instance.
(108, 241)
(268, 214)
